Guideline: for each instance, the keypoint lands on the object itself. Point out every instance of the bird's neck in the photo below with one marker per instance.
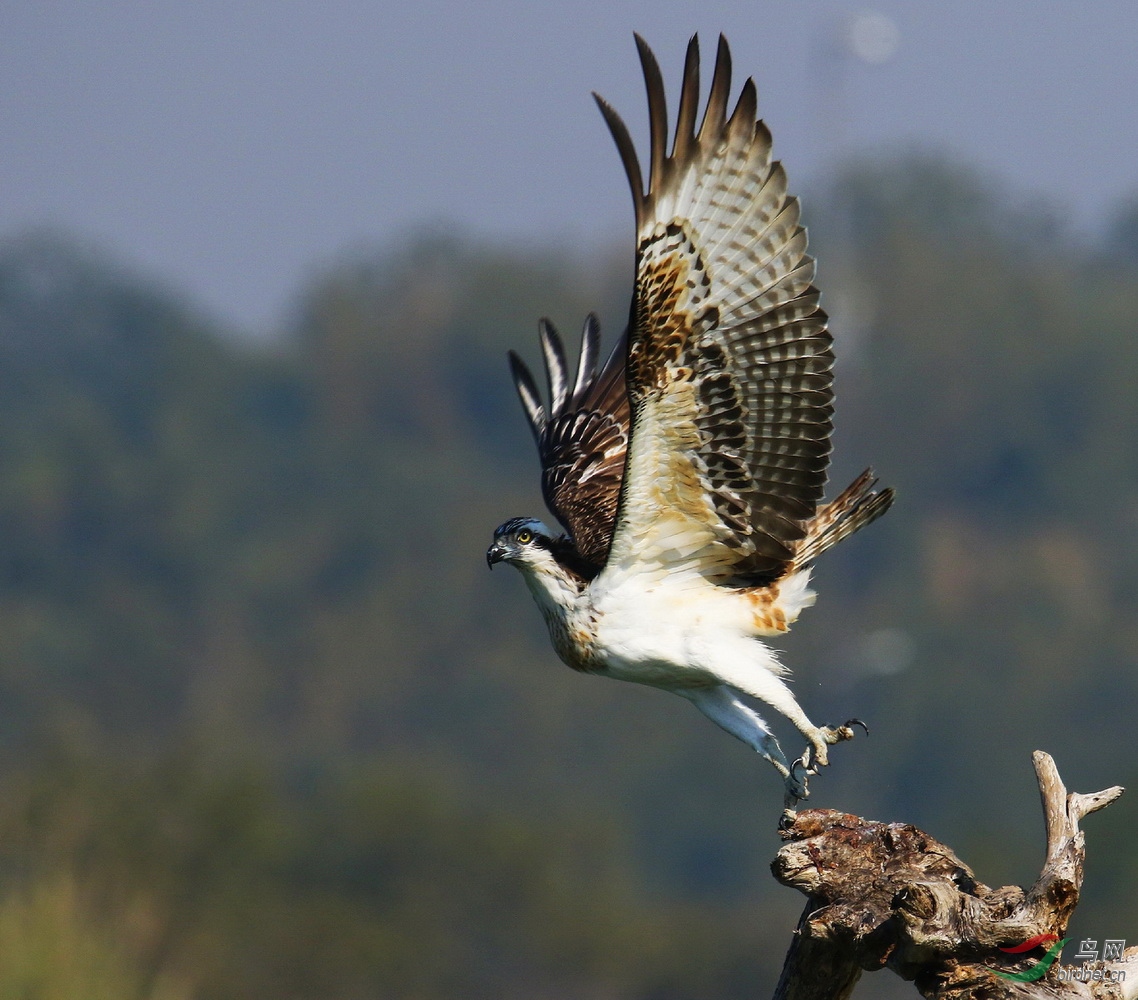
(555, 588)
(563, 600)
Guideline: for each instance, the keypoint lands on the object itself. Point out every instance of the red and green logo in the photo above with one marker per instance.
(1039, 969)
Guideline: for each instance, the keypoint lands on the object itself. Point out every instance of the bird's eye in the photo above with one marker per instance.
(525, 536)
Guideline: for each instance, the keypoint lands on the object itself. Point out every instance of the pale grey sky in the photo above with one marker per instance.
(227, 148)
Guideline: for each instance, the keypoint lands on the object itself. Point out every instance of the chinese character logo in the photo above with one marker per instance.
(1112, 949)
(1088, 951)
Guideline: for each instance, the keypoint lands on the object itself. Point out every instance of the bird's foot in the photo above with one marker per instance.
(796, 790)
(839, 734)
(827, 736)
(813, 758)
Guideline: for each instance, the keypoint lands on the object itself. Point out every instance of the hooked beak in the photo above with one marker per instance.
(496, 553)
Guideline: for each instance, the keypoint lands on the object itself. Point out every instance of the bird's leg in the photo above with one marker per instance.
(723, 707)
(767, 686)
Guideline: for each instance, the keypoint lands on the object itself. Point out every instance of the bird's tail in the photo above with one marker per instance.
(855, 507)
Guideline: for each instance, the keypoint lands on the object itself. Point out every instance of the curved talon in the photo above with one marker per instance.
(786, 820)
(796, 784)
(839, 734)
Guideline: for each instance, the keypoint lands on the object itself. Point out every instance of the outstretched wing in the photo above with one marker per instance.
(729, 360)
(582, 439)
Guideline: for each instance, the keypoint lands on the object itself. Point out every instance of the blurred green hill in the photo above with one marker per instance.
(269, 728)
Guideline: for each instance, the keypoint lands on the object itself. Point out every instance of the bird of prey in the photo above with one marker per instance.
(688, 470)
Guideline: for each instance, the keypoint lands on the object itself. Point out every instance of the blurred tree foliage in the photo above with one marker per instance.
(270, 729)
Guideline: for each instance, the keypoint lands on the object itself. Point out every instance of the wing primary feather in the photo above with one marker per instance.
(657, 115)
(627, 150)
(742, 120)
(587, 363)
(689, 104)
(582, 439)
(556, 369)
(715, 114)
(610, 385)
(527, 393)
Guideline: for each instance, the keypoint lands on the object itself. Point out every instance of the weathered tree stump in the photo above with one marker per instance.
(887, 895)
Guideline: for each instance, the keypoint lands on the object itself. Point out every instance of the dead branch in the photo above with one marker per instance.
(887, 895)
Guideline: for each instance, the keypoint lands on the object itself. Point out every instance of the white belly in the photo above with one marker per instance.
(670, 639)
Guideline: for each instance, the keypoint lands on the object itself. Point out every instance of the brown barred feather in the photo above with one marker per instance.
(705, 439)
(726, 318)
(856, 506)
(581, 440)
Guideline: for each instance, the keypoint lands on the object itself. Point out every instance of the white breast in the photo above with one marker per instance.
(674, 636)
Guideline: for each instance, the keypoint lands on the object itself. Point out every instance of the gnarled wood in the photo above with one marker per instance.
(889, 895)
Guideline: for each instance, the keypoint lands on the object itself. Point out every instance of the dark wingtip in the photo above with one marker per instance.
(557, 375)
(746, 108)
(627, 150)
(715, 114)
(723, 51)
(587, 359)
(527, 392)
(657, 115)
(689, 104)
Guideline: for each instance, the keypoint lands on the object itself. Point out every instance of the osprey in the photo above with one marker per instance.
(688, 469)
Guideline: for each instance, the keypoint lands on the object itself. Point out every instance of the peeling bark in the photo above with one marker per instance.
(887, 895)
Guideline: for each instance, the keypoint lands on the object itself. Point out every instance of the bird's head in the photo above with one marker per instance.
(523, 541)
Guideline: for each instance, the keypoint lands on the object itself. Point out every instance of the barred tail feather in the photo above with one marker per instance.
(856, 506)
